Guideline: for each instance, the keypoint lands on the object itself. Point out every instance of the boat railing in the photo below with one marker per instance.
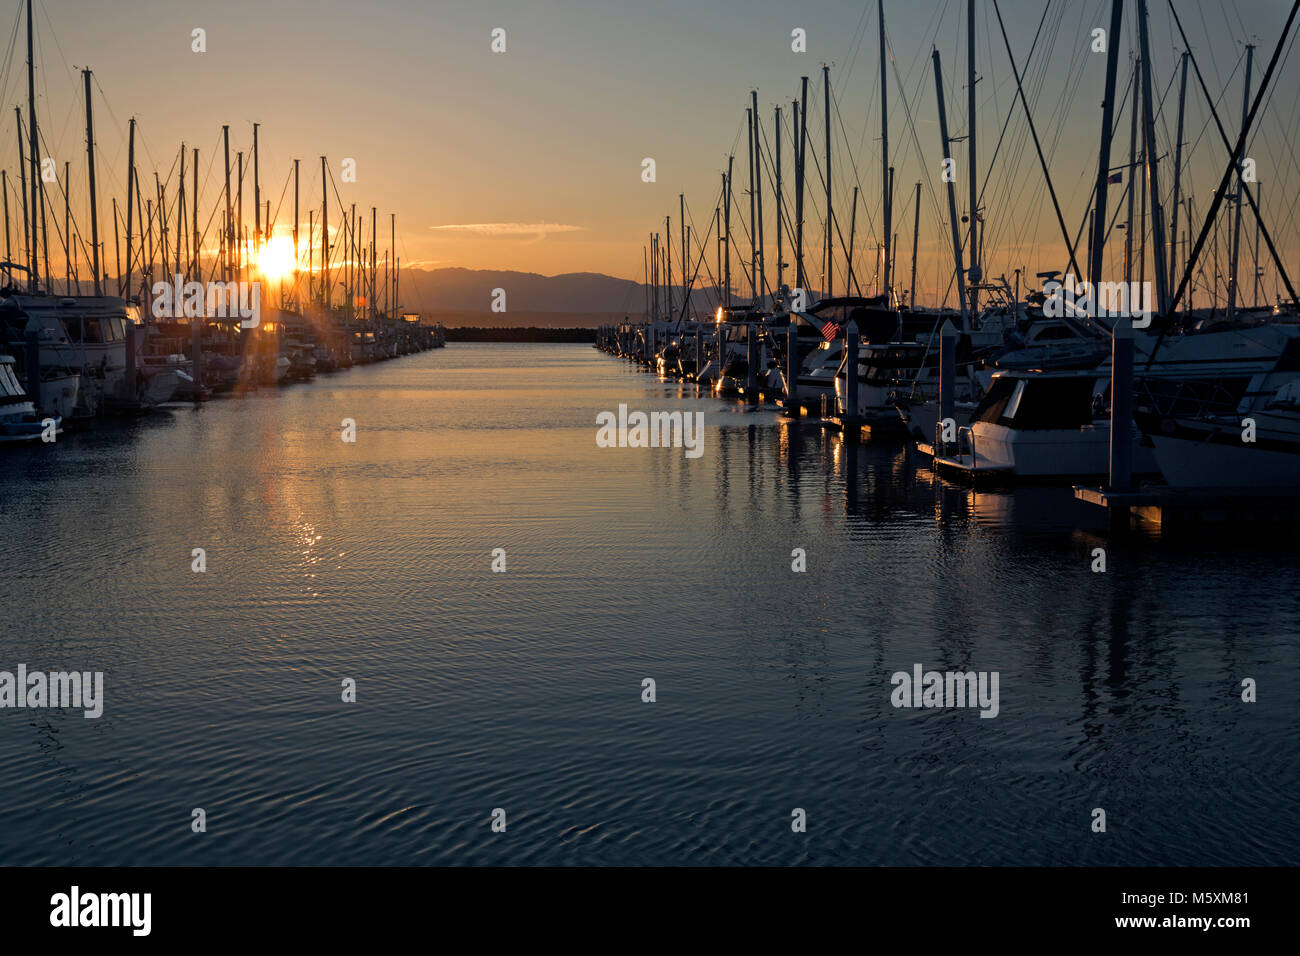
(1187, 398)
(966, 440)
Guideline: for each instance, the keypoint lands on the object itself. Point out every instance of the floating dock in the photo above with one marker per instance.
(1163, 507)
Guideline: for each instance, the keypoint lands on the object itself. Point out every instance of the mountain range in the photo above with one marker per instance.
(472, 290)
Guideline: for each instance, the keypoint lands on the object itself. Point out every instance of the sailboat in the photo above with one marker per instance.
(1255, 447)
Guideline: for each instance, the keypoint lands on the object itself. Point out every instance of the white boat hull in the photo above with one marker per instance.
(1051, 453)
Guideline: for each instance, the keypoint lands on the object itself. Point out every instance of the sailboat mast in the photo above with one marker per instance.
(257, 197)
(180, 211)
(90, 165)
(324, 235)
(952, 195)
(1132, 176)
(886, 182)
(801, 132)
(239, 217)
(67, 222)
(753, 234)
(1233, 283)
(717, 227)
(686, 242)
(668, 262)
(194, 212)
(758, 159)
(130, 204)
(916, 234)
(976, 273)
(45, 242)
(853, 238)
(654, 278)
(1098, 241)
(830, 218)
(1178, 171)
(1152, 163)
(780, 245)
(296, 304)
(32, 148)
(4, 191)
(227, 233)
(22, 179)
(726, 206)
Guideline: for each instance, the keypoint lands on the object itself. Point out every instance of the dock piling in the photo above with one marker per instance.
(751, 355)
(196, 363)
(792, 369)
(850, 409)
(947, 381)
(34, 368)
(1121, 406)
(132, 365)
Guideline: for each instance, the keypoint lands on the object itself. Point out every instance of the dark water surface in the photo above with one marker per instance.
(478, 690)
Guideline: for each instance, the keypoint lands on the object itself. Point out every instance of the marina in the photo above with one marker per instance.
(188, 321)
(871, 441)
(1083, 381)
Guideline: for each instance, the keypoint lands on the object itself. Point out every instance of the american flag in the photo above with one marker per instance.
(1116, 178)
(829, 331)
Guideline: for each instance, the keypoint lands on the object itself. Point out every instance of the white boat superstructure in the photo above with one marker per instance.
(1041, 424)
(87, 336)
(19, 419)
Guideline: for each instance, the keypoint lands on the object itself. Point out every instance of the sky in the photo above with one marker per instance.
(531, 159)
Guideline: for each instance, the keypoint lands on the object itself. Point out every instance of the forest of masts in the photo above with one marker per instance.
(1152, 247)
(159, 230)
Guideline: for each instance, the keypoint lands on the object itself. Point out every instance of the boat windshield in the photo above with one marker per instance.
(1049, 402)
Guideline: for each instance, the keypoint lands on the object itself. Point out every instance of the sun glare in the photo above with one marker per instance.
(275, 261)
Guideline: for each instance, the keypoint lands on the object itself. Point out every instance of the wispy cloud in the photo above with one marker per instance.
(511, 230)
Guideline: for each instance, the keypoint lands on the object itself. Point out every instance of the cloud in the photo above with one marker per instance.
(509, 230)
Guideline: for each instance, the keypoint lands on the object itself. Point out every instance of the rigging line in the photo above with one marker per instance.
(9, 54)
(1055, 204)
(1227, 174)
(686, 287)
(787, 227)
(1232, 162)
(920, 153)
(1285, 151)
(62, 192)
(1010, 113)
(859, 34)
(717, 292)
(854, 164)
(279, 203)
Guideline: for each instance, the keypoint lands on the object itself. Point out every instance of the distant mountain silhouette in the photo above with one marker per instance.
(471, 290)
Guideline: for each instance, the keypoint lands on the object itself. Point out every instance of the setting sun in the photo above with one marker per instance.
(275, 261)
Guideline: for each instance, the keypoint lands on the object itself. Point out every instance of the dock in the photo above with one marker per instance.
(1159, 506)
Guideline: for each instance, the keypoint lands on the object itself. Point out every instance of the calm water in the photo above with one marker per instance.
(522, 690)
